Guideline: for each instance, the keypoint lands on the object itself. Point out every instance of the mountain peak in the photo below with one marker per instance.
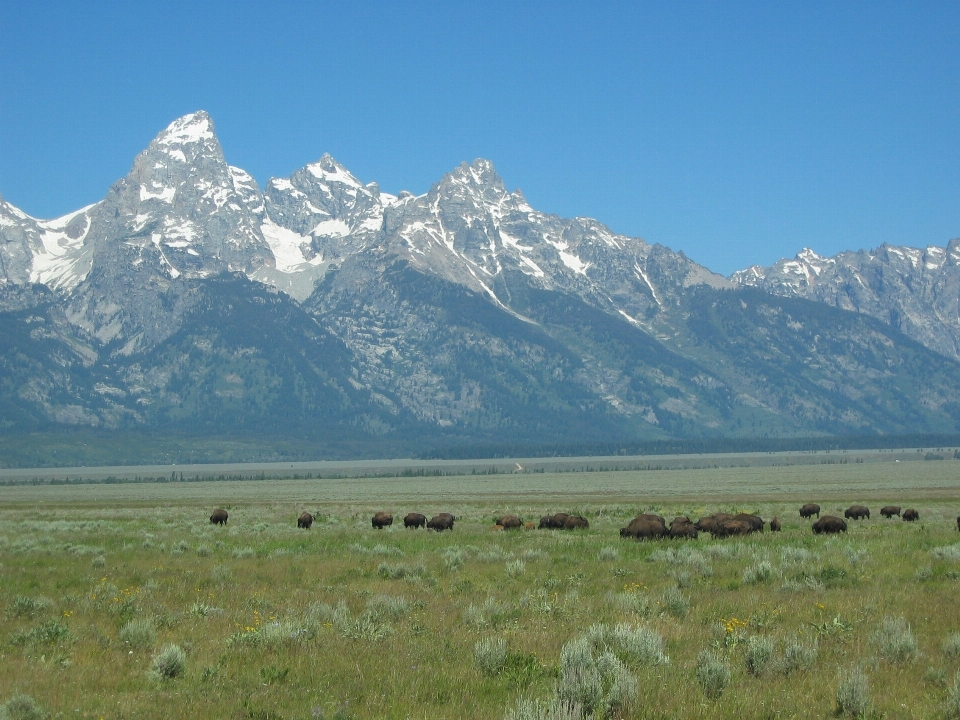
(193, 128)
(328, 170)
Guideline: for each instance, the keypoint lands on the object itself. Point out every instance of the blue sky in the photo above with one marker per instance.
(738, 132)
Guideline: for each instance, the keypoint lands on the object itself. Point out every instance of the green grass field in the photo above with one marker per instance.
(343, 621)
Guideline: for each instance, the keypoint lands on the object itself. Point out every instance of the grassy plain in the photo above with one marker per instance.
(343, 621)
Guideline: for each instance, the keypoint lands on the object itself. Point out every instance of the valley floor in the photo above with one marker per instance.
(344, 621)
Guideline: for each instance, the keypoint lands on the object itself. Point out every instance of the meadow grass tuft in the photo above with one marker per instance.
(22, 707)
(138, 634)
(760, 651)
(169, 663)
(490, 655)
(895, 641)
(553, 709)
(599, 683)
(675, 602)
(853, 693)
(713, 674)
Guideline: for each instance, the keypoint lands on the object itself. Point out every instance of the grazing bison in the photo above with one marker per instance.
(708, 523)
(809, 510)
(775, 524)
(219, 517)
(857, 512)
(575, 522)
(381, 520)
(305, 520)
(888, 511)
(414, 520)
(958, 523)
(910, 515)
(754, 521)
(441, 522)
(681, 527)
(734, 527)
(553, 522)
(510, 522)
(829, 524)
(643, 529)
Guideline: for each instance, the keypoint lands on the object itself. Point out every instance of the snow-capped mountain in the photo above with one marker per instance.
(189, 298)
(916, 290)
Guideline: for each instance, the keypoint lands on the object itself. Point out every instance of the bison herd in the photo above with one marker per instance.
(642, 527)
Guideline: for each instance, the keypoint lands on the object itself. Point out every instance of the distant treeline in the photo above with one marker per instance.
(692, 446)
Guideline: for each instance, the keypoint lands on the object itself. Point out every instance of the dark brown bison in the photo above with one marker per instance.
(734, 527)
(305, 520)
(643, 529)
(809, 510)
(708, 523)
(553, 522)
(414, 520)
(754, 521)
(910, 515)
(219, 517)
(775, 524)
(681, 527)
(441, 522)
(575, 522)
(888, 511)
(958, 523)
(510, 522)
(829, 524)
(381, 520)
(857, 512)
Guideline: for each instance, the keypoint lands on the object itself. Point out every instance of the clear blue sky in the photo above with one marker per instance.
(738, 132)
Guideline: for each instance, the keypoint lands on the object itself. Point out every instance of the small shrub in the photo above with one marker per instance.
(855, 556)
(952, 706)
(951, 645)
(675, 602)
(203, 551)
(221, 574)
(923, 573)
(515, 568)
(400, 571)
(22, 707)
(796, 657)
(632, 601)
(853, 693)
(169, 663)
(24, 606)
(634, 642)
(490, 614)
(947, 552)
(138, 634)
(490, 655)
(553, 709)
(180, 548)
(608, 554)
(790, 555)
(895, 641)
(599, 685)
(98, 562)
(454, 558)
(760, 650)
(759, 573)
(389, 606)
(203, 610)
(713, 674)
(532, 555)
(242, 553)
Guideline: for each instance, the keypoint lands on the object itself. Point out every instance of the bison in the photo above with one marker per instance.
(414, 520)
(644, 529)
(910, 515)
(754, 521)
(734, 527)
(888, 511)
(681, 527)
(219, 517)
(958, 523)
(775, 524)
(829, 524)
(857, 512)
(381, 520)
(510, 522)
(708, 523)
(529, 526)
(305, 520)
(575, 522)
(441, 522)
(809, 510)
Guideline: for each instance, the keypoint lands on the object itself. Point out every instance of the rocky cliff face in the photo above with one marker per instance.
(916, 291)
(190, 298)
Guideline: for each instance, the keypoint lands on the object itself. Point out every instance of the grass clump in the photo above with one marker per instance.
(388, 606)
(635, 643)
(760, 651)
(400, 571)
(25, 606)
(853, 693)
(608, 554)
(675, 602)
(759, 573)
(169, 663)
(599, 683)
(138, 634)
(553, 709)
(713, 674)
(951, 645)
(22, 707)
(490, 655)
(895, 641)
(515, 568)
(797, 657)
